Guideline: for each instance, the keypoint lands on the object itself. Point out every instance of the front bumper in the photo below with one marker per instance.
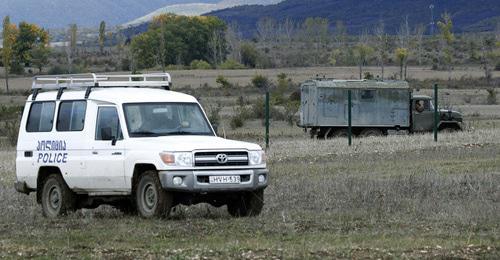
(197, 181)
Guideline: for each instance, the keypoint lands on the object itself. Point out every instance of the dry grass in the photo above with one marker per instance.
(401, 196)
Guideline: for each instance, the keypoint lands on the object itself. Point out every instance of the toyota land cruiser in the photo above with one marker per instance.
(130, 142)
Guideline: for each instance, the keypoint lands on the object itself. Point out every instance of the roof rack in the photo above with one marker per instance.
(89, 81)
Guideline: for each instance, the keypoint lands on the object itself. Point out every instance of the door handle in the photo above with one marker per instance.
(95, 152)
(116, 153)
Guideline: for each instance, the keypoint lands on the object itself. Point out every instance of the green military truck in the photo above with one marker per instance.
(377, 108)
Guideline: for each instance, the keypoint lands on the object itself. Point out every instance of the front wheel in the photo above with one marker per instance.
(57, 198)
(247, 204)
(151, 199)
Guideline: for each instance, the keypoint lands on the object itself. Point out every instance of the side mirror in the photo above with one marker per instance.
(113, 140)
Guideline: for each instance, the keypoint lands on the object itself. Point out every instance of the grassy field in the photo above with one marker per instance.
(401, 196)
(384, 197)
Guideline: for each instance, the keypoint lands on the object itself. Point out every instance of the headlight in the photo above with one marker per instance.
(182, 159)
(256, 157)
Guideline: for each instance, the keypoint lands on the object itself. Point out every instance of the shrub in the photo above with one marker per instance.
(291, 109)
(260, 82)
(259, 108)
(125, 64)
(249, 55)
(58, 69)
(12, 131)
(231, 64)
(200, 65)
(368, 76)
(237, 121)
(492, 96)
(17, 68)
(214, 114)
(240, 116)
(223, 82)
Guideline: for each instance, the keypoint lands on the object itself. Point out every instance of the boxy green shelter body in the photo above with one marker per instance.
(374, 103)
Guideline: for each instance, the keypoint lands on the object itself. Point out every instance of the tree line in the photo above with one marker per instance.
(204, 42)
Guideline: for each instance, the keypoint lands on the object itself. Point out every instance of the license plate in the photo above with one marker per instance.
(224, 179)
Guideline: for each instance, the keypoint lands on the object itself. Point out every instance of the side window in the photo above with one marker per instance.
(41, 117)
(71, 116)
(108, 124)
(368, 95)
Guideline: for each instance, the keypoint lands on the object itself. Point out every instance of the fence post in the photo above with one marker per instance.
(436, 113)
(267, 118)
(349, 116)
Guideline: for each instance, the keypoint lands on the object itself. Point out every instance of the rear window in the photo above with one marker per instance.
(71, 116)
(41, 117)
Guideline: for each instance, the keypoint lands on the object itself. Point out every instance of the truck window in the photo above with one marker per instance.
(71, 116)
(367, 95)
(108, 124)
(41, 117)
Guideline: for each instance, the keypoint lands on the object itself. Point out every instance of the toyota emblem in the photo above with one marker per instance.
(221, 158)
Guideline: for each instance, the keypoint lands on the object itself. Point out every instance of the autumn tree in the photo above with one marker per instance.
(315, 33)
(102, 35)
(288, 27)
(488, 43)
(9, 38)
(187, 39)
(71, 46)
(362, 52)
(234, 42)
(446, 41)
(381, 46)
(403, 50)
(401, 57)
(418, 42)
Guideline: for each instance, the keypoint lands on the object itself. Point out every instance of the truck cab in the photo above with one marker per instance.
(422, 112)
(128, 141)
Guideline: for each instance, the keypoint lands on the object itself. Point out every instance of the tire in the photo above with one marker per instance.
(57, 198)
(341, 133)
(249, 204)
(371, 132)
(151, 200)
(450, 129)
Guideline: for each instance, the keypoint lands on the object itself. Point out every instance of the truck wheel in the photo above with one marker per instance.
(370, 132)
(340, 133)
(57, 198)
(450, 129)
(151, 199)
(247, 205)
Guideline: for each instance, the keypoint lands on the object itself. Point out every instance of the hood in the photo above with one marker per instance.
(447, 114)
(189, 143)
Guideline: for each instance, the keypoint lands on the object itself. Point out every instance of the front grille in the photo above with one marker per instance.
(211, 159)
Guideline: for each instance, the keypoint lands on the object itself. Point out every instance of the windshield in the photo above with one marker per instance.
(160, 119)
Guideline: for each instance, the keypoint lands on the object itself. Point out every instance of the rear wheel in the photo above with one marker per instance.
(151, 199)
(247, 204)
(57, 198)
(371, 132)
(340, 133)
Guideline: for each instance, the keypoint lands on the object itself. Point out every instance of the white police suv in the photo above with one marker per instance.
(130, 142)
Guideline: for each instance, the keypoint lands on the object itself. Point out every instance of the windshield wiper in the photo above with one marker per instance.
(144, 133)
(185, 133)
